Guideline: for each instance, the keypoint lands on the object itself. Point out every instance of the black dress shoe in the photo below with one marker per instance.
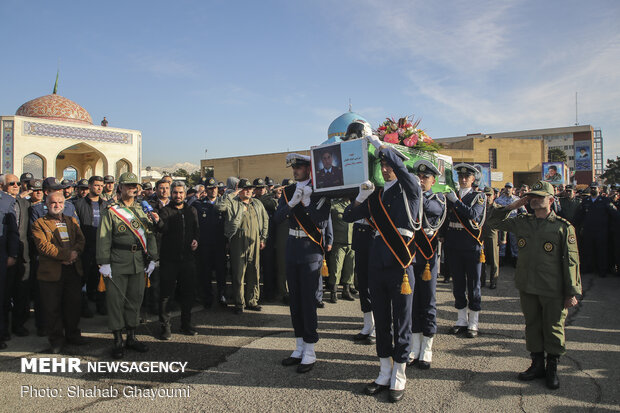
(396, 395)
(291, 361)
(20, 331)
(189, 331)
(471, 333)
(78, 341)
(320, 304)
(360, 337)
(304, 368)
(423, 365)
(374, 388)
(413, 363)
(370, 340)
(254, 308)
(458, 329)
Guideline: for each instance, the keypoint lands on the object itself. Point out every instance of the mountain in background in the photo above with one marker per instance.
(188, 166)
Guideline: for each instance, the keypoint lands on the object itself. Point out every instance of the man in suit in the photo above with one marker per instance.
(16, 300)
(60, 243)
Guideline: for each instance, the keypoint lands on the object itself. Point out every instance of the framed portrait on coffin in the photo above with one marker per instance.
(339, 168)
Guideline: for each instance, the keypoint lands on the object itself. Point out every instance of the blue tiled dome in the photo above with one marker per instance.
(339, 126)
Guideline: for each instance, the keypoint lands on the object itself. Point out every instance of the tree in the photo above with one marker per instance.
(612, 171)
(556, 155)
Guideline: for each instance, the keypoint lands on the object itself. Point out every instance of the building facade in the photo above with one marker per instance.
(54, 136)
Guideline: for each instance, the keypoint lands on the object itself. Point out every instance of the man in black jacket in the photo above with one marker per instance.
(89, 209)
(179, 228)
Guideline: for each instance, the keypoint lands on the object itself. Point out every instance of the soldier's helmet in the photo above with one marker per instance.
(128, 178)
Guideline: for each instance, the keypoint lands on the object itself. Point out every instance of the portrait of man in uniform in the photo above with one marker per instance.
(328, 168)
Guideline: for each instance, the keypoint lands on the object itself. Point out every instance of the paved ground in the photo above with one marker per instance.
(234, 365)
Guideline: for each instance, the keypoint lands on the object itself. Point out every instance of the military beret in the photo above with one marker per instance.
(127, 178)
(542, 188)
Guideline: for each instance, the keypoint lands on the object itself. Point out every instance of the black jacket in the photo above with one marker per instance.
(84, 210)
(178, 228)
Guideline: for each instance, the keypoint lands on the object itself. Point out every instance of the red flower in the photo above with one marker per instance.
(391, 138)
(411, 141)
(382, 127)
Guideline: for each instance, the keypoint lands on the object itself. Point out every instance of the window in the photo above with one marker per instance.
(571, 158)
(493, 158)
(34, 164)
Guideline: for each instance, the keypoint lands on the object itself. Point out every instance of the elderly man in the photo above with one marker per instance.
(60, 242)
(17, 297)
(179, 240)
(246, 227)
(126, 250)
(547, 277)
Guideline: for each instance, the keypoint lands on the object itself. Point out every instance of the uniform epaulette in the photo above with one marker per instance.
(564, 220)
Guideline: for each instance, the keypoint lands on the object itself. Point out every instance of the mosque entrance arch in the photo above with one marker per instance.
(84, 158)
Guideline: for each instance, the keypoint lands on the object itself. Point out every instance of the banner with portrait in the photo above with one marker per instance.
(553, 172)
(583, 155)
(340, 165)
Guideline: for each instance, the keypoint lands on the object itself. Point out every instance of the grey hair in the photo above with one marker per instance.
(178, 183)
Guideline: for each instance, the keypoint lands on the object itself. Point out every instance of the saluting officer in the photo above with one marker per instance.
(464, 246)
(126, 249)
(395, 213)
(424, 317)
(547, 277)
(307, 217)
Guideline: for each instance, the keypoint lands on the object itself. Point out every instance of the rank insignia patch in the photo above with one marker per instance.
(521, 242)
(548, 246)
(122, 228)
(572, 239)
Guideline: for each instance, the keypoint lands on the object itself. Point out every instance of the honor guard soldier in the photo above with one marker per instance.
(281, 235)
(426, 266)
(547, 277)
(463, 236)
(395, 212)
(307, 217)
(126, 250)
(211, 244)
(490, 239)
(594, 218)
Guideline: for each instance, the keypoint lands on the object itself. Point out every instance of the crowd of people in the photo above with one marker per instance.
(124, 248)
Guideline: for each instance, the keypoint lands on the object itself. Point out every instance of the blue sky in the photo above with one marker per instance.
(244, 77)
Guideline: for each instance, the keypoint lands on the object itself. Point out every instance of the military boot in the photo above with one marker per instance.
(118, 350)
(346, 293)
(333, 294)
(552, 380)
(536, 370)
(133, 343)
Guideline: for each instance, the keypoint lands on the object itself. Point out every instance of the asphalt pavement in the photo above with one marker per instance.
(234, 364)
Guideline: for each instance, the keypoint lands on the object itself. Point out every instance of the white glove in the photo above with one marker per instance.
(451, 196)
(366, 189)
(306, 192)
(374, 141)
(106, 270)
(149, 270)
(296, 198)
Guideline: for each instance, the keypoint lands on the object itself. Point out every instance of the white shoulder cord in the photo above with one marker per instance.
(416, 225)
(473, 223)
(430, 229)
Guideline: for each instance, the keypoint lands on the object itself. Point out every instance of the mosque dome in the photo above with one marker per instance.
(339, 126)
(55, 107)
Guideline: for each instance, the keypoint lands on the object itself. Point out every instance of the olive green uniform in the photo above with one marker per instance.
(490, 239)
(117, 246)
(341, 259)
(547, 273)
(246, 226)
